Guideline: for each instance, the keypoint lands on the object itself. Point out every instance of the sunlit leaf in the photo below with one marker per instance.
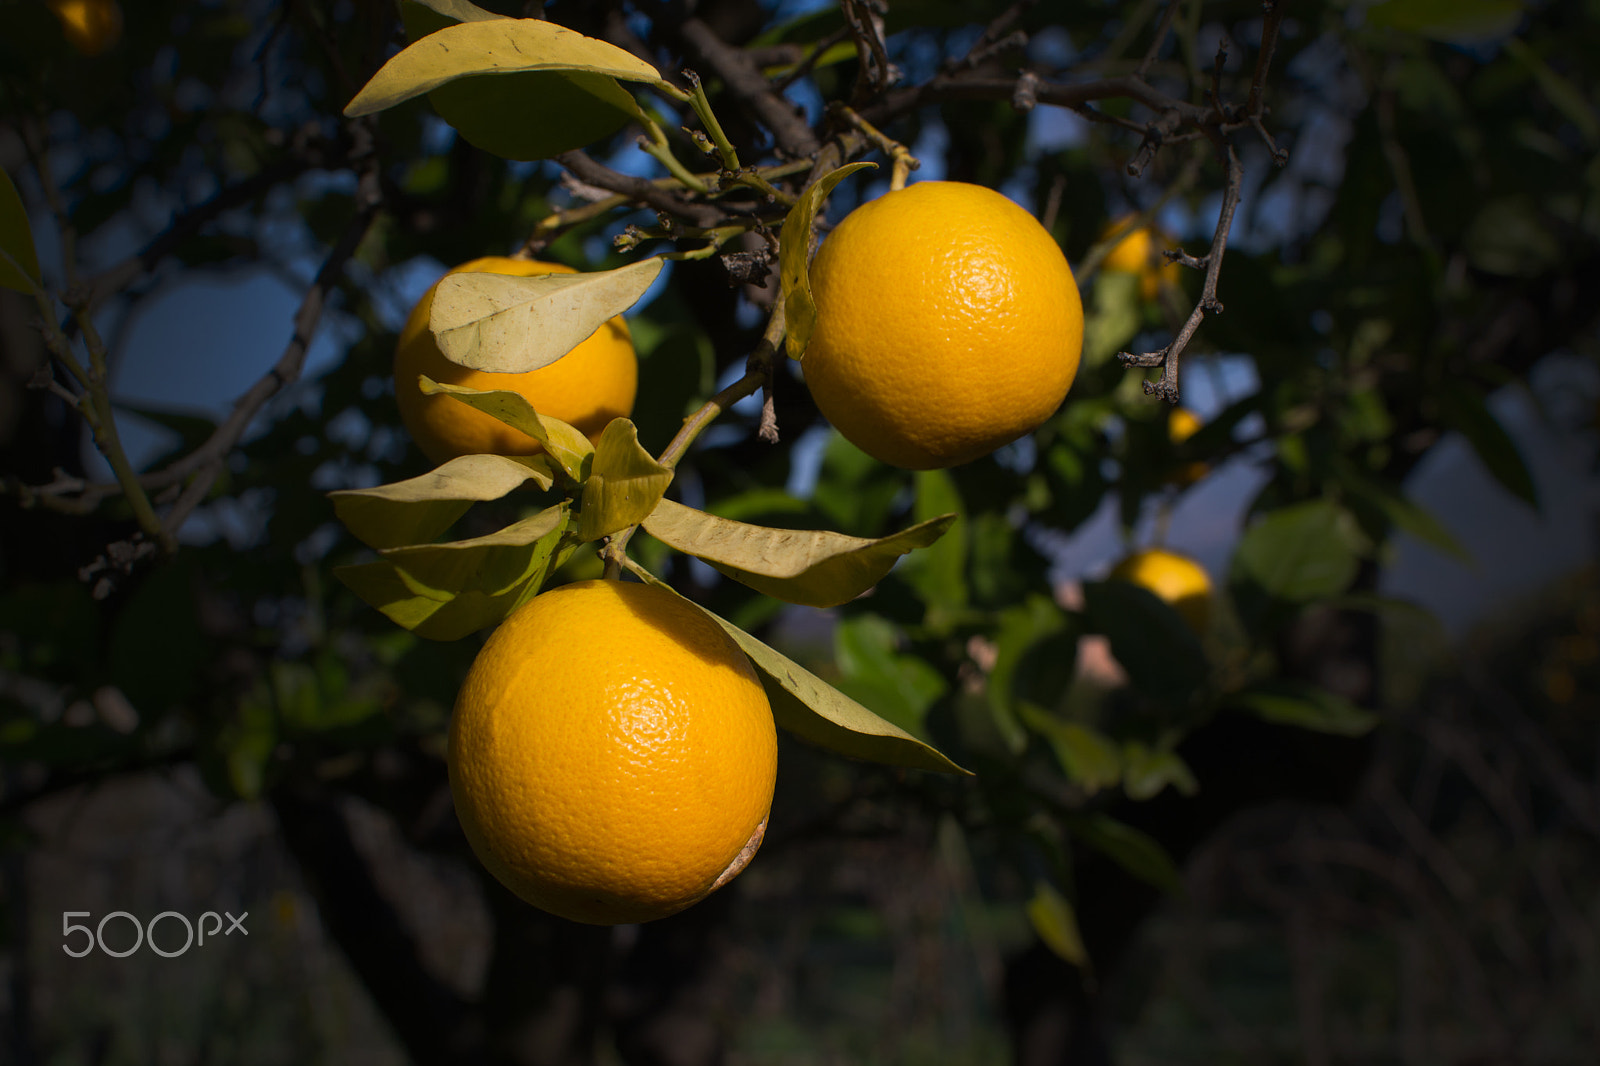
(565, 443)
(625, 483)
(794, 259)
(510, 324)
(418, 509)
(452, 10)
(21, 270)
(493, 46)
(814, 567)
(816, 712)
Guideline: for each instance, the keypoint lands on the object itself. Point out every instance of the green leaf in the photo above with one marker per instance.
(816, 712)
(625, 483)
(569, 448)
(21, 270)
(1053, 918)
(452, 10)
(1113, 316)
(1148, 637)
(1147, 771)
(1133, 850)
(574, 108)
(1306, 707)
(418, 509)
(814, 567)
(901, 687)
(1466, 412)
(446, 591)
(1300, 553)
(1509, 236)
(1022, 628)
(494, 46)
(508, 324)
(939, 573)
(1567, 97)
(1464, 22)
(1088, 757)
(794, 258)
(1403, 514)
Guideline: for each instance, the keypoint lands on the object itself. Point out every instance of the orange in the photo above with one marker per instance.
(588, 387)
(90, 26)
(1177, 579)
(1140, 253)
(947, 325)
(612, 753)
(1182, 424)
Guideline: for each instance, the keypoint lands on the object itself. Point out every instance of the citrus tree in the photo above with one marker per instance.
(754, 311)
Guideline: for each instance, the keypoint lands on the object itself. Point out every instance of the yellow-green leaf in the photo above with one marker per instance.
(1088, 757)
(625, 483)
(446, 591)
(814, 567)
(19, 265)
(494, 46)
(418, 509)
(569, 447)
(510, 325)
(1054, 919)
(794, 258)
(816, 712)
(456, 10)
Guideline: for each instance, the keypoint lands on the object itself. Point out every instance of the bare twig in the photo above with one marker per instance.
(639, 190)
(749, 86)
(1160, 37)
(1168, 358)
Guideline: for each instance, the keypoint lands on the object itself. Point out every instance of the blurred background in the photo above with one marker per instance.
(1355, 820)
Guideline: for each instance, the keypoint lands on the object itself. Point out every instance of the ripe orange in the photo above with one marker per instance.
(1182, 424)
(612, 753)
(1140, 253)
(948, 324)
(1177, 579)
(588, 387)
(90, 26)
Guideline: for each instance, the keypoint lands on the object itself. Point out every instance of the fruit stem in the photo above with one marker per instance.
(758, 373)
(758, 370)
(655, 143)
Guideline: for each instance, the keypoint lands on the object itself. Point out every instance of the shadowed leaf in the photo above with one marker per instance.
(446, 591)
(418, 509)
(21, 271)
(1306, 707)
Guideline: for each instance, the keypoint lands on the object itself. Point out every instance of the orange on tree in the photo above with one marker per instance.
(612, 753)
(948, 324)
(90, 26)
(1140, 253)
(1177, 579)
(588, 387)
(1182, 424)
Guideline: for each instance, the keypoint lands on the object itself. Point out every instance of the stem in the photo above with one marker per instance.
(902, 161)
(758, 372)
(702, 107)
(656, 144)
